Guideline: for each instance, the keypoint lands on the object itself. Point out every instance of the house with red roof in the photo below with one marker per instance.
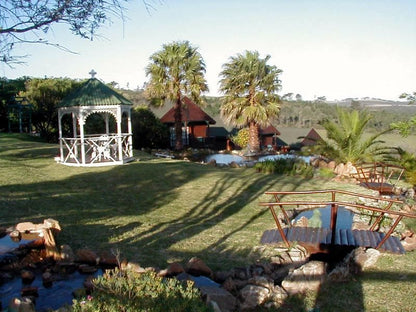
(195, 124)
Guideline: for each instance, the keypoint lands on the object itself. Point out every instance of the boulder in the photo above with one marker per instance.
(67, 255)
(197, 267)
(27, 276)
(174, 269)
(253, 296)
(308, 277)
(408, 240)
(21, 305)
(216, 296)
(87, 256)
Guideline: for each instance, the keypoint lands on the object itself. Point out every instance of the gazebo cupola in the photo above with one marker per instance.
(113, 146)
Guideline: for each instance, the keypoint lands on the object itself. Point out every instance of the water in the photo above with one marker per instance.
(224, 159)
(54, 297)
(344, 217)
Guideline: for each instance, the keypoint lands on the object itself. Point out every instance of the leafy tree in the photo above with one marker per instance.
(346, 141)
(148, 131)
(8, 89)
(242, 137)
(411, 97)
(250, 86)
(45, 95)
(176, 71)
(406, 127)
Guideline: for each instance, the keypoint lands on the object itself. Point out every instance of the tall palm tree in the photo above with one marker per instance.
(346, 140)
(250, 87)
(175, 71)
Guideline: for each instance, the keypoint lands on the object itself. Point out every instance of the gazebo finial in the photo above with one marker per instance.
(92, 73)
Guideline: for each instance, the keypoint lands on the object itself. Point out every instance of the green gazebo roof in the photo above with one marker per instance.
(93, 93)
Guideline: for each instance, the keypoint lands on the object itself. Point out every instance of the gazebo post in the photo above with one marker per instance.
(61, 148)
(81, 130)
(120, 145)
(75, 133)
(130, 133)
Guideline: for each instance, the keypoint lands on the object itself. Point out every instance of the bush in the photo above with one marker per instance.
(285, 166)
(128, 291)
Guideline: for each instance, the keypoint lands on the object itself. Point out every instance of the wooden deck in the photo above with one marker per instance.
(323, 237)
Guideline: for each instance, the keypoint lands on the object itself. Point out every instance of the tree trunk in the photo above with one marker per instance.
(178, 124)
(254, 142)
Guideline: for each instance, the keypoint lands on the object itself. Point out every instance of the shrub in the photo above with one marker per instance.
(241, 138)
(128, 291)
(285, 166)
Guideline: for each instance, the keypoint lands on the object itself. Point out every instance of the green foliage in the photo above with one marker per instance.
(45, 95)
(8, 89)
(405, 127)
(345, 138)
(250, 86)
(148, 131)
(287, 166)
(408, 162)
(241, 138)
(128, 291)
(176, 70)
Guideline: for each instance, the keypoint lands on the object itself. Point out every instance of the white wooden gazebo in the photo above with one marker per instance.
(101, 149)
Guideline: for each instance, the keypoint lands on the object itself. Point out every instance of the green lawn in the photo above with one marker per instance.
(156, 211)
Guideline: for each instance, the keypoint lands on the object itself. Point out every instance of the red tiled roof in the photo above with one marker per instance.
(190, 113)
(269, 130)
(311, 138)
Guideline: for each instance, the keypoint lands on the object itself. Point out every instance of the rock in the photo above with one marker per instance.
(47, 279)
(108, 259)
(366, 258)
(302, 222)
(67, 255)
(225, 301)
(175, 269)
(29, 292)
(87, 269)
(253, 296)
(233, 164)
(221, 276)
(408, 240)
(16, 235)
(27, 276)
(212, 162)
(197, 267)
(131, 266)
(21, 305)
(87, 256)
(308, 277)
(332, 164)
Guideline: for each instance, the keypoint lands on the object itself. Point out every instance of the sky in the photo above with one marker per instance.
(333, 48)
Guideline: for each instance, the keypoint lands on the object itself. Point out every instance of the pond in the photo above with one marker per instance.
(224, 159)
(48, 297)
(344, 217)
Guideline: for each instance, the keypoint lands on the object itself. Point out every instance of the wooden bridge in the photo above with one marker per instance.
(379, 176)
(332, 236)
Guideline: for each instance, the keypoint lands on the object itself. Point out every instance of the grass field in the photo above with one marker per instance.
(156, 211)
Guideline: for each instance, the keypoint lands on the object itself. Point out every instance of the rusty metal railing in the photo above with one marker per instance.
(334, 203)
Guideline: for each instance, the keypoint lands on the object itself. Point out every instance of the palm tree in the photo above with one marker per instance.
(175, 71)
(250, 87)
(346, 141)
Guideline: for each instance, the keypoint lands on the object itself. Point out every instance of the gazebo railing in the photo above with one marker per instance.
(98, 149)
